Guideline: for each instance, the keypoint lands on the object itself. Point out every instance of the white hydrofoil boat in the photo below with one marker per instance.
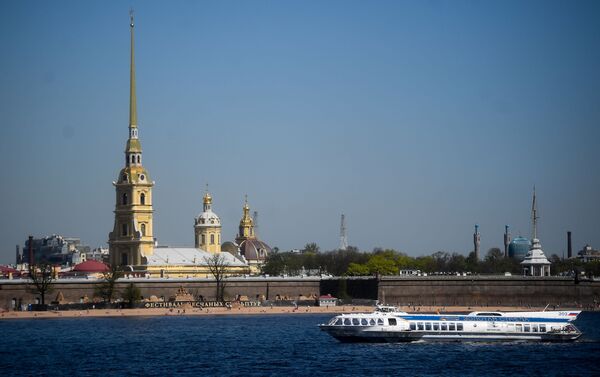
(386, 324)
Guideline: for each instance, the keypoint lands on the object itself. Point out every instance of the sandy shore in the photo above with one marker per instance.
(245, 311)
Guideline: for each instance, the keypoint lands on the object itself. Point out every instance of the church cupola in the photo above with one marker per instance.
(246, 229)
(207, 228)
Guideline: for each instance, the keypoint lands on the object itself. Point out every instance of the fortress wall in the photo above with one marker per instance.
(423, 291)
(74, 291)
(483, 291)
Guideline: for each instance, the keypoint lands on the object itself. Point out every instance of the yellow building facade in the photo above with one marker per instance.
(131, 240)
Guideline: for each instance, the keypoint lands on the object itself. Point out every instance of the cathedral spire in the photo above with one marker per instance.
(132, 98)
(534, 216)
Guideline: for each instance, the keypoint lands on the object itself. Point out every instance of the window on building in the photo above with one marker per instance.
(139, 158)
(124, 178)
(203, 239)
(212, 239)
(142, 198)
(123, 229)
(143, 228)
(124, 259)
(124, 199)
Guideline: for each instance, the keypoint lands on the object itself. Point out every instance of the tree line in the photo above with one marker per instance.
(353, 262)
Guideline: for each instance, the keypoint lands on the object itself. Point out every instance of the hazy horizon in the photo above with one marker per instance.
(417, 120)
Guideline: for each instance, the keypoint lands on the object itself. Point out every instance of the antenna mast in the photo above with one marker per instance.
(255, 221)
(343, 238)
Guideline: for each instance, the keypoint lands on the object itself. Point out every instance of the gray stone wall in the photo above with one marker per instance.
(488, 291)
(253, 288)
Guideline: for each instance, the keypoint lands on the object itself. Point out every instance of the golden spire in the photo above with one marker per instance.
(207, 197)
(132, 98)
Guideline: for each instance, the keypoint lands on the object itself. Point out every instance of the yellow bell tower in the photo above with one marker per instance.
(207, 228)
(132, 237)
(246, 229)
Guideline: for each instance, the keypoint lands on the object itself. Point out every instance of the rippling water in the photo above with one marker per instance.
(266, 345)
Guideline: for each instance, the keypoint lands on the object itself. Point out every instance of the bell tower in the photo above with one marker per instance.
(132, 237)
(207, 228)
(246, 229)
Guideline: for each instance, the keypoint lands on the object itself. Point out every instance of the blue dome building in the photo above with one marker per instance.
(518, 248)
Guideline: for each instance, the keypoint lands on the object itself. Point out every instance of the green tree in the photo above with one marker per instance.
(311, 248)
(382, 264)
(356, 269)
(107, 288)
(132, 294)
(42, 277)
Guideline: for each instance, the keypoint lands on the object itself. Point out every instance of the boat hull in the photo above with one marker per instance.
(370, 335)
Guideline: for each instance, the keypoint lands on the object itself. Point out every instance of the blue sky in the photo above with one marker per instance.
(417, 119)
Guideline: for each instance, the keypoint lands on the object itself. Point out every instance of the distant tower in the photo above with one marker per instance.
(255, 220)
(132, 239)
(569, 247)
(207, 227)
(476, 241)
(535, 262)
(19, 258)
(246, 228)
(343, 238)
(506, 240)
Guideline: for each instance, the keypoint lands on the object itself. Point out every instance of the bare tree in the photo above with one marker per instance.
(41, 276)
(107, 288)
(218, 268)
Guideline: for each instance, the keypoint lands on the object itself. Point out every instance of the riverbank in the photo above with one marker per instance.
(245, 311)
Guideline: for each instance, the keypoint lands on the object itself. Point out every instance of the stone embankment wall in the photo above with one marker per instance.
(488, 291)
(420, 291)
(253, 288)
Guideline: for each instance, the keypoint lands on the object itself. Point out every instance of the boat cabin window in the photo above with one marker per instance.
(372, 322)
(338, 322)
(364, 322)
(542, 328)
(347, 322)
(459, 326)
(392, 321)
(519, 327)
(451, 326)
(355, 321)
(428, 326)
(380, 321)
(413, 326)
(526, 328)
(444, 326)
(420, 326)
(534, 328)
(436, 326)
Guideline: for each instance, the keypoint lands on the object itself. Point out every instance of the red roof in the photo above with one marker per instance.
(327, 296)
(91, 266)
(6, 270)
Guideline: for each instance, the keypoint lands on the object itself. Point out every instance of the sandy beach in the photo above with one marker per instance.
(244, 311)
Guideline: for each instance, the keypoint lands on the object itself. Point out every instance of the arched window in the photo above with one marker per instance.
(139, 158)
(124, 178)
(203, 240)
(124, 259)
(212, 239)
(143, 227)
(124, 199)
(133, 159)
(142, 199)
(124, 229)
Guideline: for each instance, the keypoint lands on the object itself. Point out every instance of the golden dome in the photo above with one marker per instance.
(207, 198)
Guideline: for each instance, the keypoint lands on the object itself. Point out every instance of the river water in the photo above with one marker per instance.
(267, 345)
